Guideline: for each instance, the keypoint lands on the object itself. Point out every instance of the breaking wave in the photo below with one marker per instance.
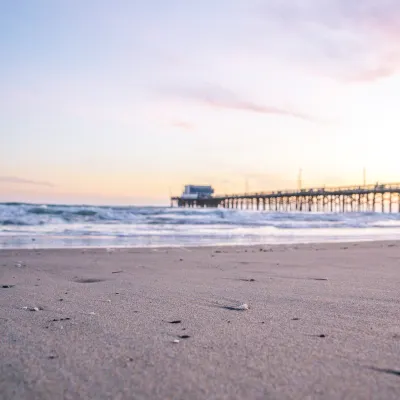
(38, 215)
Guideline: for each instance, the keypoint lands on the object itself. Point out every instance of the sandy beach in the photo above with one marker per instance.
(323, 323)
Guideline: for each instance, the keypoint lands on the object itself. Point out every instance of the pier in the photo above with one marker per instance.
(365, 198)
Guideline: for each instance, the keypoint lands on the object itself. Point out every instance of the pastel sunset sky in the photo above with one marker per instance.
(123, 101)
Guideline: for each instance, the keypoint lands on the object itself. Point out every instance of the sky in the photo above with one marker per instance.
(124, 102)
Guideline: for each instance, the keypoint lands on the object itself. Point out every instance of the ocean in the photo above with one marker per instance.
(58, 226)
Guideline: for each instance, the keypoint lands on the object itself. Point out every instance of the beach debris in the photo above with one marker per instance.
(386, 370)
(7, 286)
(89, 280)
(322, 335)
(240, 307)
(176, 341)
(248, 280)
(61, 319)
(177, 321)
(32, 308)
(19, 264)
(319, 279)
(184, 336)
(116, 272)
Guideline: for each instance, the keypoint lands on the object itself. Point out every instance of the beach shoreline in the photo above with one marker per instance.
(322, 322)
(297, 244)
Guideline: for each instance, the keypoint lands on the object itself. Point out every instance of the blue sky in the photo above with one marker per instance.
(122, 102)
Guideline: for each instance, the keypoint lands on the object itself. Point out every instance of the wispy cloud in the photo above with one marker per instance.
(188, 126)
(354, 41)
(218, 97)
(22, 181)
(373, 74)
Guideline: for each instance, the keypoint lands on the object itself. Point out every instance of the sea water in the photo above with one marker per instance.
(55, 226)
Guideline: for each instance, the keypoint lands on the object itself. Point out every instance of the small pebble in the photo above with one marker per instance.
(175, 341)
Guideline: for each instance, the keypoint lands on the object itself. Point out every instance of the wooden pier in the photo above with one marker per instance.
(368, 198)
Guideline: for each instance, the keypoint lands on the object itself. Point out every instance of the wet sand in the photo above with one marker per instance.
(323, 323)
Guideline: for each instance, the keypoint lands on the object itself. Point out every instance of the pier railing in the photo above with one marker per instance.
(378, 187)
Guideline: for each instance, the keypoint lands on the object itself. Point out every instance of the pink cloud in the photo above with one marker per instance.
(183, 125)
(371, 75)
(23, 181)
(218, 97)
(353, 41)
(242, 105)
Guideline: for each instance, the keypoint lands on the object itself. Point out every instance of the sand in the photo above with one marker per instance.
(323, 323)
